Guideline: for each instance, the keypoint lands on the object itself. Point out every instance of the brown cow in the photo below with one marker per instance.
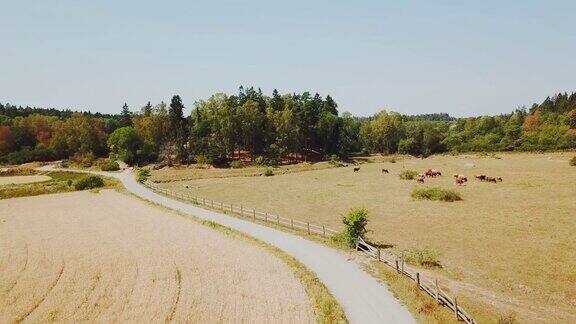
(459, 181)
(385, 171)
(480, 177)
(491, 179)
(433, 173)
(357, 169)
(461, 177)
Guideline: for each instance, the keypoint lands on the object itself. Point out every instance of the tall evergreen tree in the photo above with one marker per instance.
(125, 116)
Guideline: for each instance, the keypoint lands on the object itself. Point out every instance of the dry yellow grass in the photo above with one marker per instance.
(506, 248)
(66, 258)
(23, 179)
(195, 172)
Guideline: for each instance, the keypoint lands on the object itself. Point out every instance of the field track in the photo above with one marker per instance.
(363, 298)
(107, 257)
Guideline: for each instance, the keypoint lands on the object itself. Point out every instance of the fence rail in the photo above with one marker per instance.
(394, 261)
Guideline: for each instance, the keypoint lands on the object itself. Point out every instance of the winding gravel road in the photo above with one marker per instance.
(363, 298)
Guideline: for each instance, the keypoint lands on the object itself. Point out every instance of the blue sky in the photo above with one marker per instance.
(461, 57)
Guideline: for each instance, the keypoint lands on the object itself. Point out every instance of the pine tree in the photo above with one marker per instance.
(125, 116)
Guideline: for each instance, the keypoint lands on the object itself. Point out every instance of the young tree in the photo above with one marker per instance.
(125, 116)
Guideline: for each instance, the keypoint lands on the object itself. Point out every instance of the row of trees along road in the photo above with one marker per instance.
(278, 127)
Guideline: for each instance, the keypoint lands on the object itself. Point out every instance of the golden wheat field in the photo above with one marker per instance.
(507, 249)
(108, 257)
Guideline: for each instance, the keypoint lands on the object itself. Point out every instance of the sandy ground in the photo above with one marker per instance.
(23, 179)
(108, 257)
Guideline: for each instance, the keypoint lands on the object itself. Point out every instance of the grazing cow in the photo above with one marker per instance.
(459, 181)
(491, 179)
(420, 178)
(357, 169)
(499, 179)
(186, 187)
(480, 177)
(385, 171)
(433, 173)
(460, 177)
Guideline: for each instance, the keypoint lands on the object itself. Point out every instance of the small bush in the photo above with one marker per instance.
(83, 160)
(408, 174)
(203, 159)
(355, 222)
(109, 165)
(268, 172)
(423, 257)
(259, 161)
(142, 175)
(236, 164)
(435, 193)
(89, 182)
(573, 161)
(69, 182)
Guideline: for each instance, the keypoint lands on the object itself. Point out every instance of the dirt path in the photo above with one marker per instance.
(363, 298)
(108, 257)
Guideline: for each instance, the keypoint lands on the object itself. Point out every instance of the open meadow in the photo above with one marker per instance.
(507, 248)
(108, 257)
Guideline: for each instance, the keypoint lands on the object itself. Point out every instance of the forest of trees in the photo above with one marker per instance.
(277, 127)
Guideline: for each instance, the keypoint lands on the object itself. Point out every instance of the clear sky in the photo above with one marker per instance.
(461, 57)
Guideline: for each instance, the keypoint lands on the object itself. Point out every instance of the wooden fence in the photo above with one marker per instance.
(394, 261)
(247, 212)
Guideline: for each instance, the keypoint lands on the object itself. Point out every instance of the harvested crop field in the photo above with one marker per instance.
(108, 257)
(506, 248)
(23, 179)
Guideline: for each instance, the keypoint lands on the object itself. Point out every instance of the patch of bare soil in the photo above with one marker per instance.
(23, 179)
(108, 257)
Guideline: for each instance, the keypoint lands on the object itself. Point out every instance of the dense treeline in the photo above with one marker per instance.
(277, 127)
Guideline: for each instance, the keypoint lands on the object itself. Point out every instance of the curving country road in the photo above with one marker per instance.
(362, 297)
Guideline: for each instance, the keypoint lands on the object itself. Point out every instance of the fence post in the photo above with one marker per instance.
(397, 268)
(378, 254)
(231, 208)
(292, 223)
(204, 201)
(241, 210)
(456, 307)
(278, 219)
(324, 230)
(402, 260)
(308, 228)
(222, 206)
(254, 211)
(418, 279)
(212, 203)
(266, 216)
(437, 291)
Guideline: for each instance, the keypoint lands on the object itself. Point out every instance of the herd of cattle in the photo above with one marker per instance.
(459, 179)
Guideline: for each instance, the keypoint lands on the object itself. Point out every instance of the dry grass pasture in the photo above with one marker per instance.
(506, 248)
(108, 257)
(23, 179)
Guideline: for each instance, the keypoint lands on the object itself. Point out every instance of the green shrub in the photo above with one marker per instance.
(89, 182)
(259, 161)
(435, 193)
(268, 172)
(408, 174)
(142, 175)
(573, 161)
(109, 165)
(355, 222)
(423, 257)
(83, 160)
(203, 159)
(236, 164)
(69, 182)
